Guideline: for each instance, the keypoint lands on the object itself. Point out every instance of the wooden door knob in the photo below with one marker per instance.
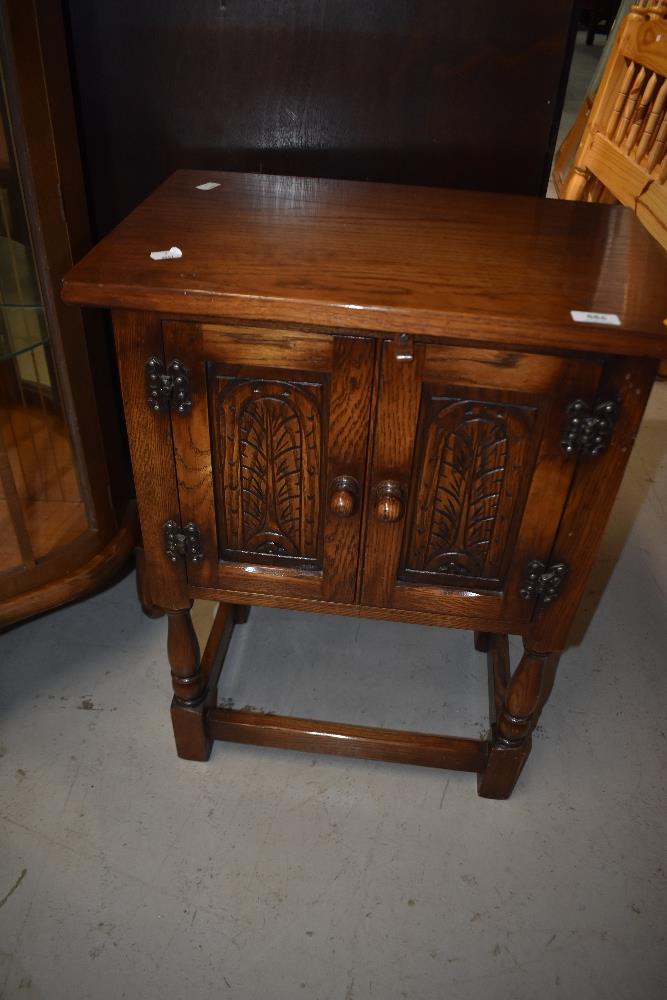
(344, 496)
(388, 502)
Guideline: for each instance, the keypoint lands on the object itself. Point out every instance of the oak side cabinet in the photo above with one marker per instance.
(364, 399)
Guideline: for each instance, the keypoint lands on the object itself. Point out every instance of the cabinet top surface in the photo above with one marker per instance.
(498, 268)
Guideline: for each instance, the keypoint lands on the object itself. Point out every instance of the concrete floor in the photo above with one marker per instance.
(125, 872)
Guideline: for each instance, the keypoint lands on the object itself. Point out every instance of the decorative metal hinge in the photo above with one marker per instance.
(588, 426)
(184, 542)
(542, 582)
(168, 387)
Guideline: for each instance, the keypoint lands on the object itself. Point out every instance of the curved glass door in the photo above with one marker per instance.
(41, 508)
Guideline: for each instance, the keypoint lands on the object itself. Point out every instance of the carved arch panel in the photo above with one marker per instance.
(269, 443)
(470, 481)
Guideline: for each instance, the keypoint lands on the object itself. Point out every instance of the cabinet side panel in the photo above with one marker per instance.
(192, 450)
(591, 498)
(549, 484)
(138, 338)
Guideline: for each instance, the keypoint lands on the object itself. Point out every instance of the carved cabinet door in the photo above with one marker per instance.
(469, 477)
(271, 456)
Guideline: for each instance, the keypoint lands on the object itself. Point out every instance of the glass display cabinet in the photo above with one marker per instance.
(66, 525)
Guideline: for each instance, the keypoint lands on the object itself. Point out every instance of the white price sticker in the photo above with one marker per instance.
(607, 319)
(172, 254)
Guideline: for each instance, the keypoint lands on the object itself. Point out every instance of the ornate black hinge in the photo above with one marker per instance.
(168, 387)
(588, 426)
(542, 582)
(184, 542)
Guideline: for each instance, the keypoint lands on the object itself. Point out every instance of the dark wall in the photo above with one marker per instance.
(462, 94)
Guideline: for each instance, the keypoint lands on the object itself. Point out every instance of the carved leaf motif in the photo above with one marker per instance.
(468, 488)
(271, 446)
(270, 437)
(466, 497)
(253, 462)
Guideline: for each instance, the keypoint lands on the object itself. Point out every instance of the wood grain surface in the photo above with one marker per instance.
(138, 338)
(96, 568)
(413, 479)
(372, 743)
(592, 497)
(461, 610)
(475, 515)
(490, 268)
(260, 449)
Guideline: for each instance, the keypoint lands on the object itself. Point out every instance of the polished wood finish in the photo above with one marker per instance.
(515, 704)
(273, 442)
(314, 736)
(195, 680)
(187, 678)
(350, 468)
(497, 652)
(462, 608)
(504, 271)
(483, 470)
(344, 497)
(594, 489)
(506, 757)
(149, 608)
(94, 568)
(137, 339)
(389, 502)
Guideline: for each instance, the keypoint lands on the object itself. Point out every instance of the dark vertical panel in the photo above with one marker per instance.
(417, 91)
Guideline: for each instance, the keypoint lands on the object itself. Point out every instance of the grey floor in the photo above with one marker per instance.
(125, 872)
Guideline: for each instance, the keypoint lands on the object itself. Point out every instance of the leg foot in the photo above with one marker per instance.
(516, 715)
(502, 772)
(241, 613)
(192, 742)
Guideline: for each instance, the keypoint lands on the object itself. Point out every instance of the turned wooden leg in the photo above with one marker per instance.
(516, 719)
(189, 684)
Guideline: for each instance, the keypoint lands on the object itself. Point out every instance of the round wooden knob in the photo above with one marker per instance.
(344, 496)
(388, 502)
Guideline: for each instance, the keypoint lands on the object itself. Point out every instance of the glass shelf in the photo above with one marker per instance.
(22, 320)
(18, 284)
(22, 329)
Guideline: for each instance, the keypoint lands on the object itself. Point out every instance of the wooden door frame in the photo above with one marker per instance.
(346, 365)
(537, 376)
